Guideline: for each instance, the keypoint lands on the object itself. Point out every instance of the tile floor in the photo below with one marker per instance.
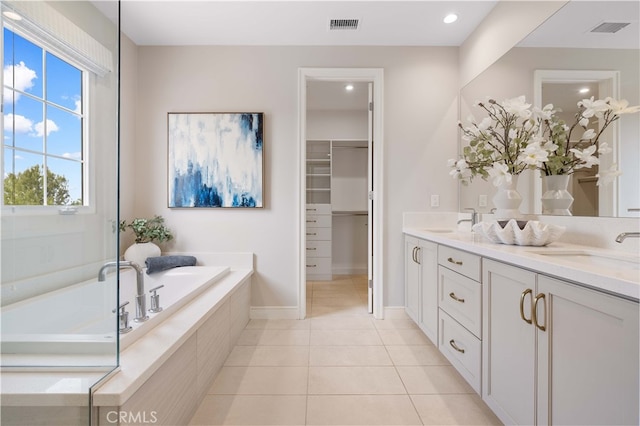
(339, 367)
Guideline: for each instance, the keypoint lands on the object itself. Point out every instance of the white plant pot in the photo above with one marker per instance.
(507, 200)
(139, 252)
(556, 199)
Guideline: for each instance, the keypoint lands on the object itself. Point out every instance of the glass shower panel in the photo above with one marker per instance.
(59, 213)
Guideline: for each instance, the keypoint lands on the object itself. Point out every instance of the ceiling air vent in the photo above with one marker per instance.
(609, 27)
(344, 24)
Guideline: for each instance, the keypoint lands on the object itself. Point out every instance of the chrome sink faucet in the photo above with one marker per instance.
(475, 217)
(141, 301)
(620, 238)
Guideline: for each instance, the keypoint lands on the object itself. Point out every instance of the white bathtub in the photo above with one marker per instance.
(79, 319)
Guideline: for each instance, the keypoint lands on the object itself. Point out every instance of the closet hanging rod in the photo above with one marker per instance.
(350, 147)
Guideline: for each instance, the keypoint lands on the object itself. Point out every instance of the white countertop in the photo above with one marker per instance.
(624, 282)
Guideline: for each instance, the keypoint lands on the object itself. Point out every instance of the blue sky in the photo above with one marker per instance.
(24, 117)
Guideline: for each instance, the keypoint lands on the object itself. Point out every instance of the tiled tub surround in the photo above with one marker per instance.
(523, 361)
(217, 316)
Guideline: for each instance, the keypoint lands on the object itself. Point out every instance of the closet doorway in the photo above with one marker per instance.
(340, 208)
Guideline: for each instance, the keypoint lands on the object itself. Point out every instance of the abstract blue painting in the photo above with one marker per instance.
(215, 159)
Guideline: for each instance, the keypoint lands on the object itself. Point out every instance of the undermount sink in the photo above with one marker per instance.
(439, 230)
(586, 257)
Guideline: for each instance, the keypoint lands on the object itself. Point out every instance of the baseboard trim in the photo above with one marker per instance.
(349, 270)
(395, 312)
(273, 312)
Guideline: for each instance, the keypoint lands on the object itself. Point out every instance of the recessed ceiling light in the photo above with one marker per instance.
(12, 15)
(348, 87)
(584, 90)
(452, 17)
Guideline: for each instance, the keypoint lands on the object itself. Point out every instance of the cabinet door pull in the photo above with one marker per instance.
(312, 221)
(311, 233)
(454, 346)
(456, 298)
(413, 254)
(539, 297)
(418, 254)
(455, 262)
(522, 296)
(311, 210)
(311, 266)
(311, 248)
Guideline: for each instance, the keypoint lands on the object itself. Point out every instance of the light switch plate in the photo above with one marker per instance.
(435, 201)
(482, 200)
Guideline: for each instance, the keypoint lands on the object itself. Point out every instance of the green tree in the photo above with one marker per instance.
(27, 188)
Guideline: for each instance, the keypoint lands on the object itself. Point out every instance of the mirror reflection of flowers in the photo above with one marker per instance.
(515, 137)
(566, 154)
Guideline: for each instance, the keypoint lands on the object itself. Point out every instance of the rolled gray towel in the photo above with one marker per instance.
(162, 263)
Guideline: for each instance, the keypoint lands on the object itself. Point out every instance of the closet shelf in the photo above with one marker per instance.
(319, 174)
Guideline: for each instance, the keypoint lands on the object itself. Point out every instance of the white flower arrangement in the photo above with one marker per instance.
(515, 137)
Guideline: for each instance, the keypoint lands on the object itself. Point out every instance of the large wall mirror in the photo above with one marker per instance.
(551, 65)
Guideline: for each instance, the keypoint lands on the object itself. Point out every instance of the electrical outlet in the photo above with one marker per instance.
(482, 200)
(435, 201)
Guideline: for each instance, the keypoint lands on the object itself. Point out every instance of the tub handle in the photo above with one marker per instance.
(155, 299)
(123, 318)
(153, 290)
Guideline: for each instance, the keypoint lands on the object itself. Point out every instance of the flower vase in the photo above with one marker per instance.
(507, 200)
(138, 253)
(556, 200)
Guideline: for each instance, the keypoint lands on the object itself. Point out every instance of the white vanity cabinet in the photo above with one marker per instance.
(421, 290)
(460, 317)
(555, 352)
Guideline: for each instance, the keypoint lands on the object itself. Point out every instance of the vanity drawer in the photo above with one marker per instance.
(318, 249)
(461, 348)
(318, 234)
(318, 209)
(461, 298)
(460, 261)
(318, 221)
(318, 265)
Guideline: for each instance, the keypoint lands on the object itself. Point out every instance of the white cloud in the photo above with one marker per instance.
(17, 123)
(73, 155)
(78, 109)
(20, 77)
(51, 127)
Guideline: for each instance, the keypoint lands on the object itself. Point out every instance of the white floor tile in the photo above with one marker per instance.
(339, 367)
(251, 410)
(260, 381)
(366, 410)
(348, 356)
(282, 356)
(453, 410)
(355, 381)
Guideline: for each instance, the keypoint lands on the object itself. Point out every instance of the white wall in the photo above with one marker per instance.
(128, 161)
(420, 104)
(323, 124)
(505, 26)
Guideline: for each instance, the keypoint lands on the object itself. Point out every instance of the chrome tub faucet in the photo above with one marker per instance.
(141, 301)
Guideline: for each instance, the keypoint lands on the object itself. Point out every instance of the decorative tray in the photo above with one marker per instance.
(520, 233)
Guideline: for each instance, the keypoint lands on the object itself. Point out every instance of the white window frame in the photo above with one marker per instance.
(88, 181)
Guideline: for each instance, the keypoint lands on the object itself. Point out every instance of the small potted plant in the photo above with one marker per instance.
(147, 232)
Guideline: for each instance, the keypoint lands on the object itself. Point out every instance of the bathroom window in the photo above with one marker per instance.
(44, 152)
